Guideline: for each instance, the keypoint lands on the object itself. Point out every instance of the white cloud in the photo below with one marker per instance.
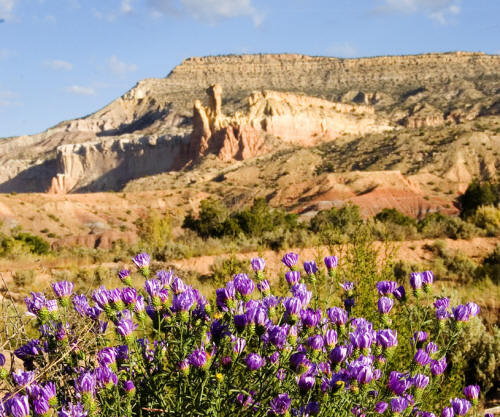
(81, 90)
(209, 11)
(59, 65)
(6, 8)
(438, 10)
(4, 54)
(342, 50)
(120, 68)
(126, 6)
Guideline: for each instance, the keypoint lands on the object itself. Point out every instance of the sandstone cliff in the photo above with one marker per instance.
(413, 91)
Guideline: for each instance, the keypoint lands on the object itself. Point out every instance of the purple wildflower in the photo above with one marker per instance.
(254, 361)
(292, 277)
(460, 406)
(290, 260)
(331, 262)
(258, 264)
(280, 404)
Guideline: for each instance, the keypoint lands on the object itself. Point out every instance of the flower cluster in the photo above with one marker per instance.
(160, 347)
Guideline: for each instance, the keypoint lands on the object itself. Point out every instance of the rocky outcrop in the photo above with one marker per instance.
(423, 115)
(109, 164)
(291, 118)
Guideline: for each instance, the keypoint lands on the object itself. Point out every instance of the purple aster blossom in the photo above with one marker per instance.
(418, 338)
(139, 304)
(398, 382)
(129, 295)
(427, 278)
(422, 357)
(416, 280)
(306, 382)
(386, 287)
(254, 361)
(246, 400)
(183, 301)
(293, 306)
(399, 404)
(2, 359)
(310, 318)
(142, 260)
(165, 277)
(420, 381)
(331, 262)
(337, 315)
(22, 378)
(361, 324)
(299, 362)
(125, 327)
(105, 377)
(315, 342)
(240, 321)
(274, 358)
(264, 286)
(385, 305)
(85, 383)
(471, 392)
(19, 406)
(361, 339)
(198, 358)
(330, 338)
(35, 303)
(442, 314)
(129, 387)
(438, 366)
(41, 406)
(387, 338)
(80, 304)
(243, 284)
(49, 391)
(239, 345)
(347, 286)
(122, 352)
(489, 415)
(63, 288)
(106, 356)
(281, 374)
(300, 291)
(380, 407)
(258, 264)
(460, 406)
(123, 274)
(325, 368)
(280, 404)
(32, 348)
(51, 305)
(461, 313)
(473, 309)
(310, 267)
(442, 303)
(153, 287)
(290, 260)
(101, 297)
(292, 277)
(312, 409)
(115, 295)
(278, 336)
(338, 354)
(448, 412)
(431, 348)
(400, 293)
(364, 374)
(73, 410)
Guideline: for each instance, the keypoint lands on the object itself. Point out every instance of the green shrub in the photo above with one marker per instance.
(487, 218)
(154, 229)
(24, 279)
(491, 265)
(391, 215)
(437, 225)
(478, 194)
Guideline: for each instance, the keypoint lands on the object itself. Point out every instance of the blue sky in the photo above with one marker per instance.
(61, 59)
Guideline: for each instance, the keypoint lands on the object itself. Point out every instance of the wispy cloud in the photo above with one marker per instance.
(120, 68)
(59, 65)
(126, 6)
(81, 90)
(209, 11)
(438, 10)
(342, 50)
(6, 8)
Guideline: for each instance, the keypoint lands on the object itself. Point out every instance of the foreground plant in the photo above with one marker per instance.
(157, 347)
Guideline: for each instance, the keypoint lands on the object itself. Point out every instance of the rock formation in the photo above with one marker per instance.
(297, 102)
(293, 119)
